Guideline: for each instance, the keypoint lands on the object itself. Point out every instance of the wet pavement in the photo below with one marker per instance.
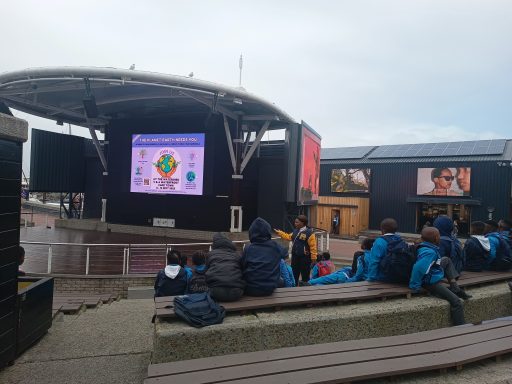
(110, 255)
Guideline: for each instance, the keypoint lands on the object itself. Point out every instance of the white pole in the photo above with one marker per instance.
(103, 210)
(124, 261)
(25, 219)
(128, 260)
(87, 261)
(50, 259)
(322, 242)
(328, 241)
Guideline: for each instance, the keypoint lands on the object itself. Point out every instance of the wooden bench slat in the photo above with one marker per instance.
(343, 365)
(270, 302)
(320, 349)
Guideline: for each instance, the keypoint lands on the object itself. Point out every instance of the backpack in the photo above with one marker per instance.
(503, 260)
(198, 309)
(197, 283)
(397, 263)
(456, 254)
(323, 269)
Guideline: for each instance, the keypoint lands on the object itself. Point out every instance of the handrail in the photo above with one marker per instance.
(132, 253)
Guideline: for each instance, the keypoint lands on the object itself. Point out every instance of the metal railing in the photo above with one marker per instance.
(114, 259)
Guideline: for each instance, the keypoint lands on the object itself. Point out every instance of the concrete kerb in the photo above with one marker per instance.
(176, 340)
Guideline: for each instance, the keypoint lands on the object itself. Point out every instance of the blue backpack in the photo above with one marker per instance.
(198, 309)
(397, 264)
(456, 254)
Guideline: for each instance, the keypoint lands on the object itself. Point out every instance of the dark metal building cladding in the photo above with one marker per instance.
(393, 183)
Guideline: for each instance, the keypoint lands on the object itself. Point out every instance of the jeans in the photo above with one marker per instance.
(449, 269)
(456, 306)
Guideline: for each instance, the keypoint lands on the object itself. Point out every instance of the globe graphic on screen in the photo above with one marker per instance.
(166, 165)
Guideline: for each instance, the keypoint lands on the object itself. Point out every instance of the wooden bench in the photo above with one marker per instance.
(334, 293)
(346, 361)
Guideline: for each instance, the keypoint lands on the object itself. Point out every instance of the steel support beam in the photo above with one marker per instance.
(230, 144)
(213, 105)
(254, 145)
(97, 144)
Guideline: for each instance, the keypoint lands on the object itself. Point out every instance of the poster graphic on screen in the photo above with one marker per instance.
(450, 181)
(309, 182)
(350, 180)
(168, 163)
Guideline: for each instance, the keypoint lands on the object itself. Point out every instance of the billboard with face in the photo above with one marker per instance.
(447, 181)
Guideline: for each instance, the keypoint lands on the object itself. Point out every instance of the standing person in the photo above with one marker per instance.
(303, 248)
(449, 246)
(335, 224)
(224, 270)
(429, 270)
(261, 260)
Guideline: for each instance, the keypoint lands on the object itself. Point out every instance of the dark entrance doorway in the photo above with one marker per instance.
(335, 221)
(459, 213)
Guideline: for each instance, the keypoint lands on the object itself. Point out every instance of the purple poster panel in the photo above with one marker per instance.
(168, 163)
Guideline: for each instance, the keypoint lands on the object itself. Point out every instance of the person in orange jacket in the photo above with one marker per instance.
(304, 251)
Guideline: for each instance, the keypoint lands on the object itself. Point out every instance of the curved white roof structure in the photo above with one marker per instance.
(58, 93)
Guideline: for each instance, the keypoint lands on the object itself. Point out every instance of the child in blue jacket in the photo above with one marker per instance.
(388, 228)
(500, 249)
(362, 266)
(286, 280)
(324, 260)
(430, 269)
(338, 277)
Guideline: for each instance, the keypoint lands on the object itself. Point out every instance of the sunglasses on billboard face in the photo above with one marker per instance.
(447, 178)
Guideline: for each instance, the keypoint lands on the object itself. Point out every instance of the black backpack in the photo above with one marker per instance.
(197, 283)
(198, 309)
(397, 264)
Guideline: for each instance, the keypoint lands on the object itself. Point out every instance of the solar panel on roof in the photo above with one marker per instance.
(345, 153)
(460, 148)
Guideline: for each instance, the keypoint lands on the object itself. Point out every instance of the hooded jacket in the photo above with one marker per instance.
(362, 268)
(476, 251)
(427, 269)
(171, 281)
(445, 226)
(378, 251)
(223, 264)
(261, 258)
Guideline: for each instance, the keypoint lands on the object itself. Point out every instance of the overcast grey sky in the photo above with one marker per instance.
(359, 72)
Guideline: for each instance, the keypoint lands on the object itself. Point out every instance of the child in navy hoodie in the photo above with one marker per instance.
(261, 260)
(172, 280)
(429, 270)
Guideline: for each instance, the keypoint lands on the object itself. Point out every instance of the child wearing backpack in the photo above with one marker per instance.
(323, 267)
(429, 270)
(197, 282)
(172, 280)
(476, 248)
(184, 265)
(391, 258)
(500, 258)
(449, 246)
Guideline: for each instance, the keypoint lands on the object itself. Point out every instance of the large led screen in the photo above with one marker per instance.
(309, 182)
(168, 163)
(350, 180)
(450, 181)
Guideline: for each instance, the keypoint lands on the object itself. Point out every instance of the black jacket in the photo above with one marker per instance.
(167, 286)
(261, 258)
(223, 264)
(476, 256)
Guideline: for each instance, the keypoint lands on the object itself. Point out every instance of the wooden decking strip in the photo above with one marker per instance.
(345, 361)
(311, 295)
